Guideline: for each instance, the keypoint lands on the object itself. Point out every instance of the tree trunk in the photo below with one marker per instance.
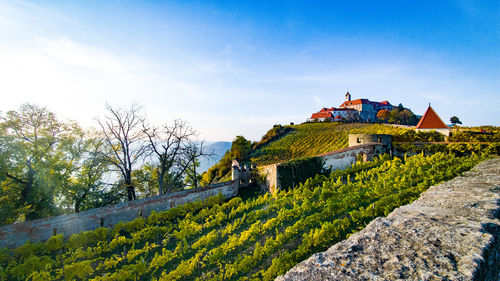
(195, 177)
(161, 182)
(130, 187)
(77, 206)
(26, 194)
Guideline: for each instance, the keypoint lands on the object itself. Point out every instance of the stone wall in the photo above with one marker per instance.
(365, 145)
(335, 160)
(343, 158)
(42, 229)
(270, 173)
(452, 232)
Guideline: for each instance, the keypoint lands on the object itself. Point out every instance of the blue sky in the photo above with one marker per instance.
(234, 67)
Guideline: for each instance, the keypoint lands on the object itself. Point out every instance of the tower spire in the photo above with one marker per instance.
(347, 96)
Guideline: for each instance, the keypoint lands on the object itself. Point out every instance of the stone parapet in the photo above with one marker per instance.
(14, 235)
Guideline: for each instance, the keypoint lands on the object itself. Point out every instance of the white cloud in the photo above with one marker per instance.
(318, 101)
(69, 52)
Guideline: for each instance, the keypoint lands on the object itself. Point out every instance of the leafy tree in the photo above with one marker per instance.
(33, 160)
(88, 167)
(383, 114)
(145, 180)
(405, 116)
(192, 177)
(454, 120)
(124, 137)
(240, 150)
(394, 116)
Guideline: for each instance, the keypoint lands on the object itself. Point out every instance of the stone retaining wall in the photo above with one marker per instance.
(334, 160)
(452, 232)
(14, 235)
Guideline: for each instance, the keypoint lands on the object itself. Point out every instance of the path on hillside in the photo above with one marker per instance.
(451, 232)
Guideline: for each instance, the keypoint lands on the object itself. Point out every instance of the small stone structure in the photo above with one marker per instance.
(14, 235)
(242, 173)
(452, 232)
(359, 139)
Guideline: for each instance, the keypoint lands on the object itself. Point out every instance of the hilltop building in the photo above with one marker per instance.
(431, 122)
(367, 109)
(334, 114)
(352, 110)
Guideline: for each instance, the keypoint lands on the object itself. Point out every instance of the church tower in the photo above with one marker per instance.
(348, 96)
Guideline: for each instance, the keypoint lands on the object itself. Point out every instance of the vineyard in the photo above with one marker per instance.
(257, 239)
(311, 139)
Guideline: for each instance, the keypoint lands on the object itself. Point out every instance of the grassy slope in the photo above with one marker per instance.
(311, 139)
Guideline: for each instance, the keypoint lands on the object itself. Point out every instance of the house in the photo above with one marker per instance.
(321, 116)
(430, 121)
(367, 109)
(333, 114)
(352, 110)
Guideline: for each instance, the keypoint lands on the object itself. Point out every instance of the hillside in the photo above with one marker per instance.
(311, 139)
(256, 239)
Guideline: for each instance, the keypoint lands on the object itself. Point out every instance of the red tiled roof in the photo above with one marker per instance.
(431, 120)
(345, 109)
(324, 109)
(321, 115)
(364, 101)
(332, 109)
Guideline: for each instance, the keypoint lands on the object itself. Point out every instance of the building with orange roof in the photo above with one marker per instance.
(333, 114)
(430, 121)
(366, 108)
(352, 110)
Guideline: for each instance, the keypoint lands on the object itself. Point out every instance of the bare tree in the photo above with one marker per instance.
(122, 132)
(174, 149)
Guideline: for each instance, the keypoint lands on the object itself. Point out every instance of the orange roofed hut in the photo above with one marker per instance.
(431, 122)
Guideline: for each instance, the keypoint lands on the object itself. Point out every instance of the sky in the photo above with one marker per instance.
(238, 67)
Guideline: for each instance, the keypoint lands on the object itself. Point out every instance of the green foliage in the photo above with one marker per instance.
(454, 120)
(276, 132)
(471, 136)
(34, 162)
(293, 172)
(420, 136)
(240, 149)
(255, 239)
(459, 149)
(145, 180)
(399, 115)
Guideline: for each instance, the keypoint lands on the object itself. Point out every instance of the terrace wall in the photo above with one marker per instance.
(14, 235)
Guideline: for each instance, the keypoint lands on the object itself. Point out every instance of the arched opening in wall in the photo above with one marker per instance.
(358, 140)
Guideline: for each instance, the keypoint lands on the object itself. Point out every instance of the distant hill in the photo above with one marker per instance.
(218, 149)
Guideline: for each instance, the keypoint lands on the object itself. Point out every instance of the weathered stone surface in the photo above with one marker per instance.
(451, 232)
